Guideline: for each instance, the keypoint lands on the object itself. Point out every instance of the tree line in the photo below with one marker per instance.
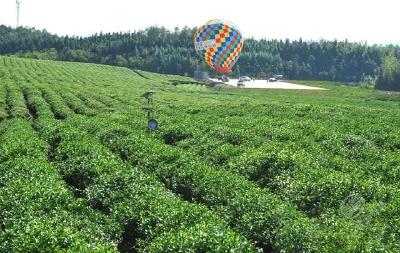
(161, 50)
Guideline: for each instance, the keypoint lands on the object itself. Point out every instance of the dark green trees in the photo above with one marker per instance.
(389, 77)
(160, 50)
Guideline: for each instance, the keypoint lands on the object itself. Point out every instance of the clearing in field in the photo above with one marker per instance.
(264, 84)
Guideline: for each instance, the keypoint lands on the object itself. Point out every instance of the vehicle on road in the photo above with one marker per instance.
(240, 83)
(272, 80)
(245, 78)
(223, 79)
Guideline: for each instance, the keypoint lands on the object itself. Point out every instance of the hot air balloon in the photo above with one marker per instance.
(219, 44)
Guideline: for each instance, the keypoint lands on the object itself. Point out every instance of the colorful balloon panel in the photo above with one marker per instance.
(219, 44)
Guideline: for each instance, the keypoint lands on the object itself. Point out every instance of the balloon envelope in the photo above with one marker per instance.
(219, 44)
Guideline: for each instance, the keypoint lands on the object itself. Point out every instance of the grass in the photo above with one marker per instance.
(243, 169)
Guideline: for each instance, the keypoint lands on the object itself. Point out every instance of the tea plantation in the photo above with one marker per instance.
(228, 170)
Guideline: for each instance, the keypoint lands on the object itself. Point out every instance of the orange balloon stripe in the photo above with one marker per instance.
(208, 60)
(237, 51)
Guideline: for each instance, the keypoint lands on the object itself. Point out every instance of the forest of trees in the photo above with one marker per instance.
(389, 76)
(160, 50)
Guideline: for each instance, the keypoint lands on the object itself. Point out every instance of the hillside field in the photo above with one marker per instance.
(228, 170)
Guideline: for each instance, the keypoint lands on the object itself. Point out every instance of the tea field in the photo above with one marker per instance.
(228, 170)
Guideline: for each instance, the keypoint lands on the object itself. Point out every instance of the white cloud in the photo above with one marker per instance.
(369, 20)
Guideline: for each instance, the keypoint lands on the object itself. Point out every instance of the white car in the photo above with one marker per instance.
(240, 83)
(245, 79)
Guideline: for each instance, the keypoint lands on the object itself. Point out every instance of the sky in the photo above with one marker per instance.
(372, 21)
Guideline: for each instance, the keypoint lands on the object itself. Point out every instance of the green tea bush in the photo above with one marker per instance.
(233, 197)
(38, 213)
(227, 170)
(16, 102)
(127, 195)
(3, 104)
(58, 106)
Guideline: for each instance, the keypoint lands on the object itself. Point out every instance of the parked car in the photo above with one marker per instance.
(240, 83)
(245, 78)
(272, 80)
